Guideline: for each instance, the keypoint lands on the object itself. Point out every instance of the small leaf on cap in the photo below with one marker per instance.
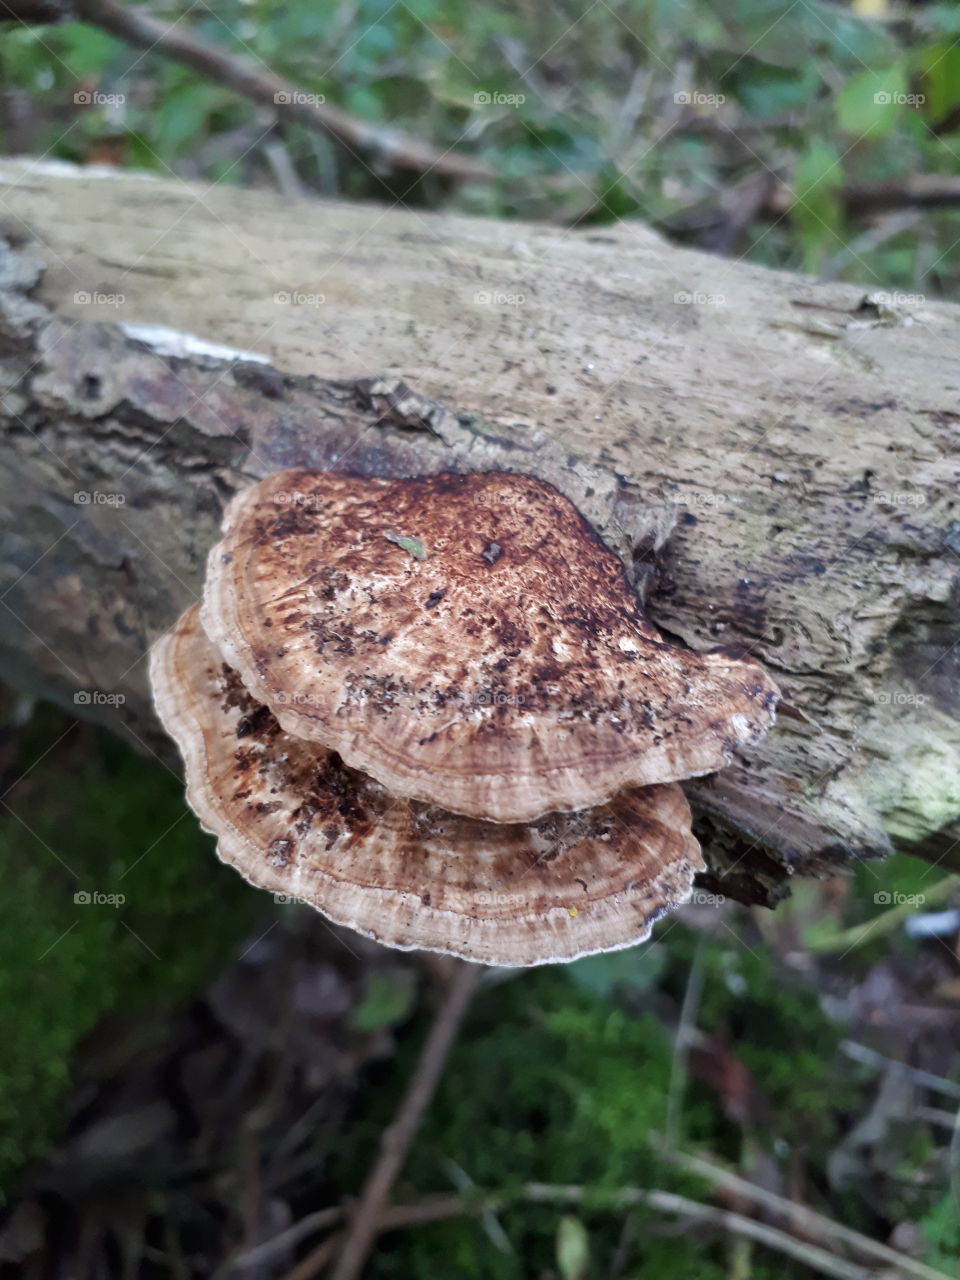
(413, 545)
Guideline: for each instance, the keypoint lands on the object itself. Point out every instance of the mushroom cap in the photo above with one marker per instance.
(466, 640)
(292, 818)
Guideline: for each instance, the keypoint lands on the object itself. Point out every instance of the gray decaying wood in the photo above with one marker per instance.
(774, 458)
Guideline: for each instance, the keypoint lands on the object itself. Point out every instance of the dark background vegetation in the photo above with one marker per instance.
(187, 1074)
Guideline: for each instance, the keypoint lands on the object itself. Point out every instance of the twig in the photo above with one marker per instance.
(684, 1039)
(862, 199)
(397, 1139)
(439, 1208)
(269, 90)
(798, 1218)
(284, 170)
(286, 1239)
(925, 1079)
(847, 939)
(762, 194)
(318, 1258)
(431, 1209)
(36, 11)
(811, 1255)
(918, 191)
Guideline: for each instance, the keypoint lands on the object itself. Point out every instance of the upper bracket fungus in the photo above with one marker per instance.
(434, 710)
(292, 818)
(467, 641)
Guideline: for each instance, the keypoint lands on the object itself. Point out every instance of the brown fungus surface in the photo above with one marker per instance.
(467, 640)
(292, 818)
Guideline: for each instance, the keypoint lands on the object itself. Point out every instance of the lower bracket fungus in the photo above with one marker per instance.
(291, 817)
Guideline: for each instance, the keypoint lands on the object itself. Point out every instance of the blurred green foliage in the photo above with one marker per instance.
(560, 1081)
(648, 108)
(562, 1076)
(91, 818)
(941, 1226)
(551, 1085)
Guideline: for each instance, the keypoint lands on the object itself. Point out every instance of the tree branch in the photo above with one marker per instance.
(819, 1258)
(260, 85)
(396, 1141)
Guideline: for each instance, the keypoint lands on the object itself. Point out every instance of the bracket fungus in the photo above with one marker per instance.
(434, 710)
(291, 817)
(466, 640)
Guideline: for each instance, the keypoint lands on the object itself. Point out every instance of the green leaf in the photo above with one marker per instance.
(941, 1227)
(363, 101)
(378, 39)
(941, 79)
(397, 94)
(573, 1248)
(636, 969)
(388, 1000)
(766, 90)
(413, 545)
(816, 206)
(141, 154)
(185, 113)
(942, 17)
(86, 50)
(870, 103)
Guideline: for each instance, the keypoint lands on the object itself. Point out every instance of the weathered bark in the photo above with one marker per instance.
(805, 435)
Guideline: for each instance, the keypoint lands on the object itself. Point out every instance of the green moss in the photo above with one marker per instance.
(941, 1228)
(777, 1029)
(551, 1081)
(921, 799)
(92, 818)
(548, 1083)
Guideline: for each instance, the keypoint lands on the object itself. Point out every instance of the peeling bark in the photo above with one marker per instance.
(775, 461)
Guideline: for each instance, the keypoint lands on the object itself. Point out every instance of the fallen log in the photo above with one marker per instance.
(774, 458)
